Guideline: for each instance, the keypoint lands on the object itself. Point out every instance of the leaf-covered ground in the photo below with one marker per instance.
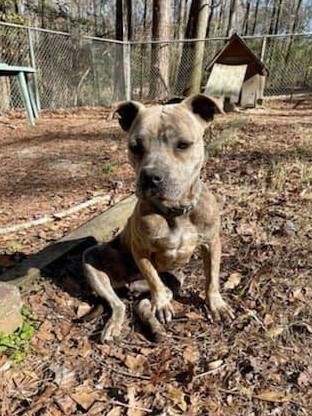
(259, 163)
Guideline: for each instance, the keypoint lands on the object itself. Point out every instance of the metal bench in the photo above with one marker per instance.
(21, 73)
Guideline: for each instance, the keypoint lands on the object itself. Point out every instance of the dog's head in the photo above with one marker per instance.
(166, 146)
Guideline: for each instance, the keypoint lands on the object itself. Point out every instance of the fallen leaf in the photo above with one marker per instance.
(85, 400)
(44, 333)
(273, 396)
(146, 351)
(134, 405)
(135, 363)
(85, 395)
(194, 316)
(66, 404)
(298, 295)
(268, 319)
(177, 397)
(83, 309)
(63, 376)
(275, 331)
(213, 365)
(304, 379)
(98, 408)
(191, 354)
(233, 281)
(116, 411)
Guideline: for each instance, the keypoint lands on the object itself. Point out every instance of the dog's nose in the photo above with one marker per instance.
(151, 178)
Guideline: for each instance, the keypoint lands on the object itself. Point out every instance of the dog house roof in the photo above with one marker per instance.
(236, 52)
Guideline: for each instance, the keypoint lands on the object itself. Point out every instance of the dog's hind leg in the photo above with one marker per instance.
(101, 284)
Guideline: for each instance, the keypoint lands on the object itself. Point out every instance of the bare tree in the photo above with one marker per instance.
(246, 18)
(159, 87)
(220, 19)
(119, 85)
(293, 29)
(199, 48)
(232, 18)
(181, 18)
(213, 5)
(278, 16)
(253, 31)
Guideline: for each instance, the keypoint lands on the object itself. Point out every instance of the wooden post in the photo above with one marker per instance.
(33, 64)
(127, 69)
(264, 42)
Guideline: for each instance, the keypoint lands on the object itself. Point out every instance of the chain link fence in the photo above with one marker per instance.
(73, 70)
(70, 70)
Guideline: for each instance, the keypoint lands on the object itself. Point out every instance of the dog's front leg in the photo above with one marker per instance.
(160, 294)
(212, 256)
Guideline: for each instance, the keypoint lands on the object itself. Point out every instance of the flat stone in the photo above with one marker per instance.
(10, 308)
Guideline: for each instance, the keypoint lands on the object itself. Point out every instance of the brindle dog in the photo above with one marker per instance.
(174, 213)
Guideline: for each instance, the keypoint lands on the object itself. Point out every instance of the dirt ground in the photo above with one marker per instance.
(259, 163)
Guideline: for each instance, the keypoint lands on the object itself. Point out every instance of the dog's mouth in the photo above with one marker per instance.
(163, 194)
(170, 199)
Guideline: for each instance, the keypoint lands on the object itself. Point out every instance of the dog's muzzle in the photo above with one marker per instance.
(151, 179)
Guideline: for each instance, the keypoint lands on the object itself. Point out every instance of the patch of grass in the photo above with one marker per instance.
(304, 148)
(221, 137)
(14, 246)
(236, 123)
(108, 169)
(292, 172)
(226, 140)
(16, 346)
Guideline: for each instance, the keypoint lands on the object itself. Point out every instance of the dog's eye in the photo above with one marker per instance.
(183, 145)
(136, 147)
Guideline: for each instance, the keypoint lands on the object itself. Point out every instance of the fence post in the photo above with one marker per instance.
(264, 42)
(127, 69)
(33, 64)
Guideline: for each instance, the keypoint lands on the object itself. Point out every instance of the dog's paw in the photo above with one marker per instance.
(218, 307)
(161, 306)
(113, 327)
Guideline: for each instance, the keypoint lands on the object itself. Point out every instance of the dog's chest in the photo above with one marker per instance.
(172, 247)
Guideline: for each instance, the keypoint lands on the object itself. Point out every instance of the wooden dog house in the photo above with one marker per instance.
(236, 74)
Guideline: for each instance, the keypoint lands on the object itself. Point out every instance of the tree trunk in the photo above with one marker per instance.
(246, 18)
(143, 52)
(119, 84)
(219, 31)
(181, 19)
(128, 6)
(190, 69)
(273, 18)
(180, 32)
(42, 14)
(199, 49)
(278, 15)
(253, 31)
(159, 87)
(119, 34)
(210, 18)
(293, 30)
(232, 18)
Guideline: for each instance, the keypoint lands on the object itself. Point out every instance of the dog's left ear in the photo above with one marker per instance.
(126, 112)
(204, 106)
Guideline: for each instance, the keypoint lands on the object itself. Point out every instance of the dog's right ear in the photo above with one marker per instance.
(127, 112)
